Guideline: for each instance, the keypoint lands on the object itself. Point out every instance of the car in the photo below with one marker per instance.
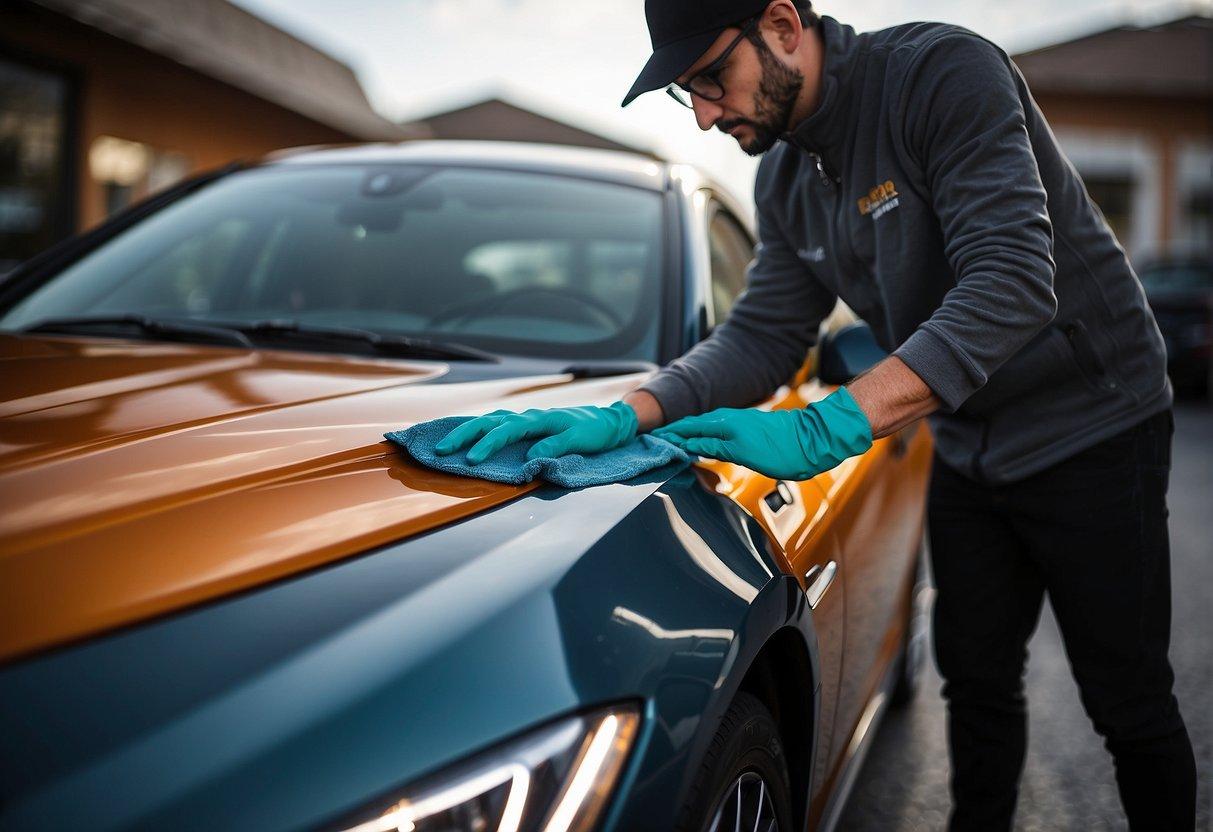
(1179, 289)
(226, 602)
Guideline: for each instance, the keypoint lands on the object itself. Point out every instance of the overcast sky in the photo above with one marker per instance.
(575, 59)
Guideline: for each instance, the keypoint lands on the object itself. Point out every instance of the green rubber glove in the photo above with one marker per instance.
(587, 429)
(782, 444)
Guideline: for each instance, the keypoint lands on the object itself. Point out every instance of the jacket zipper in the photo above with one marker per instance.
(834, 183)
(830, 181)
(822, 173)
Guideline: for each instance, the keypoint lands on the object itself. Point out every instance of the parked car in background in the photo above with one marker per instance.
(226, 602)
(1179, 288)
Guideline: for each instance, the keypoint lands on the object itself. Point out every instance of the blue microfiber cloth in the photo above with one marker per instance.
(510, 464)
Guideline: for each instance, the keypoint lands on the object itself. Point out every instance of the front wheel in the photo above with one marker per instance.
(742, 782)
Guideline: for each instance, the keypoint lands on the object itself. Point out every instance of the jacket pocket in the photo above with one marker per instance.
(1085, 356)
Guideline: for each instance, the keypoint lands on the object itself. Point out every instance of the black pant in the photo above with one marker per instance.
(1092, 531)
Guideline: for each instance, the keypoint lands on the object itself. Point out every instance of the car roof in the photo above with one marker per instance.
(615, 166)
(610, 165)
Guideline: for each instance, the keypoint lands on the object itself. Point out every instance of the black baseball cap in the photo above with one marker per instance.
(681, 31)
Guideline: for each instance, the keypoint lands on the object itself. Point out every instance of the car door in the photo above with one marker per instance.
(794, 514)
(850, 535)
(876, 514)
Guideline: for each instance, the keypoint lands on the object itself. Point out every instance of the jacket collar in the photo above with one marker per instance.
(828, 127)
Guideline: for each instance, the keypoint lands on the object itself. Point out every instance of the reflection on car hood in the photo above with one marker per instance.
(141, 478)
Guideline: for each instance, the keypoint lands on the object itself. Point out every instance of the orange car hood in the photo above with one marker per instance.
(137, 478)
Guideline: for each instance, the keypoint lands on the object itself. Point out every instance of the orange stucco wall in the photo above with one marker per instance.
(133, 94)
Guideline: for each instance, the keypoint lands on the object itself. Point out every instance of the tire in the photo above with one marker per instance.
(914, 645)
(744, 759)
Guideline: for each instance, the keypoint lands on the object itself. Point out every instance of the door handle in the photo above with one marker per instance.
(780, 496)
(819, 579)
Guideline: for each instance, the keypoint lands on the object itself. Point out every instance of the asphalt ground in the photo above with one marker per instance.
(1068, 781)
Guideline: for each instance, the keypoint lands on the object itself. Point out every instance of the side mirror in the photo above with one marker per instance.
(847, 352)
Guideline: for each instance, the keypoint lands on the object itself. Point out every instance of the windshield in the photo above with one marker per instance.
(510, 262)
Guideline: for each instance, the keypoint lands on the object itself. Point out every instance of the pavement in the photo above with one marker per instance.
(1068, 781)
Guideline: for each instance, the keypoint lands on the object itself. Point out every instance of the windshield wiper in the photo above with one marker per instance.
(396, 345)
(167, 330)
(602, 369)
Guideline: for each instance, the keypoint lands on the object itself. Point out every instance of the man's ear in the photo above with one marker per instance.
(783, 22)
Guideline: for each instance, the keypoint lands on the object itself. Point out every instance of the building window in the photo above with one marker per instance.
(1194, 195)
(1123, 174)
(129, 171)
(1198, 215)
(35, 198)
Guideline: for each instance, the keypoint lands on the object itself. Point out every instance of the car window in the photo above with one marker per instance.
(1176, 278)
(609, 271)
(731, 252)
(513, 262)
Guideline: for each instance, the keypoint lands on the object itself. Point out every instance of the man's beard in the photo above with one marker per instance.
(773, 103)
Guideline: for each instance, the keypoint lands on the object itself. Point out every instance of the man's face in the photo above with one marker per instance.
(759, 93)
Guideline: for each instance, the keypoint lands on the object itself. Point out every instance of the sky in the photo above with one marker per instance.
(575, 59)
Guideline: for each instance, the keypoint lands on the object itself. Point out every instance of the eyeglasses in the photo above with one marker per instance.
(706, 82)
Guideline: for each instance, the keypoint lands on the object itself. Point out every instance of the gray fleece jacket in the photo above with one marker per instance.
(928, 193)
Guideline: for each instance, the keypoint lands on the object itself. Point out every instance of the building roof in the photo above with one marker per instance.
(1174, 58)
(229, 44)
(496, 120)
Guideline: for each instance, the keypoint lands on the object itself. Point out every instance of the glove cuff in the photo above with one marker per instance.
(628, 423)
(832, 430)
(847, 421)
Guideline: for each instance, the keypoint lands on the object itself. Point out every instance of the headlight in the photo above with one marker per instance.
(555, 779)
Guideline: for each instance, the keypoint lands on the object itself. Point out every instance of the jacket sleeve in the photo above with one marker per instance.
(965, 123)
(761, 342)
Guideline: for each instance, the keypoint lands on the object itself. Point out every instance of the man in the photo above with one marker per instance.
(909, 173)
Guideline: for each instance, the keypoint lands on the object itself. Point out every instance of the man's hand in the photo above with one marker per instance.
(782, 444)
(587, 429)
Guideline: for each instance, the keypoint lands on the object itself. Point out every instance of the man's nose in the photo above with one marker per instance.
(707, 113)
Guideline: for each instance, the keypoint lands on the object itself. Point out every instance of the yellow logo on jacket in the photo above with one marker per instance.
(879, 201)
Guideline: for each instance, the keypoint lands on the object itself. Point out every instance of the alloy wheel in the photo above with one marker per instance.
(745, 807)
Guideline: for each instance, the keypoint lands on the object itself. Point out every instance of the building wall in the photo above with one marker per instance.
(127, 93)
(1162, 147)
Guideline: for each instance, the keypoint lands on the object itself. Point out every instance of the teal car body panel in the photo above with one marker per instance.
(293, 705)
